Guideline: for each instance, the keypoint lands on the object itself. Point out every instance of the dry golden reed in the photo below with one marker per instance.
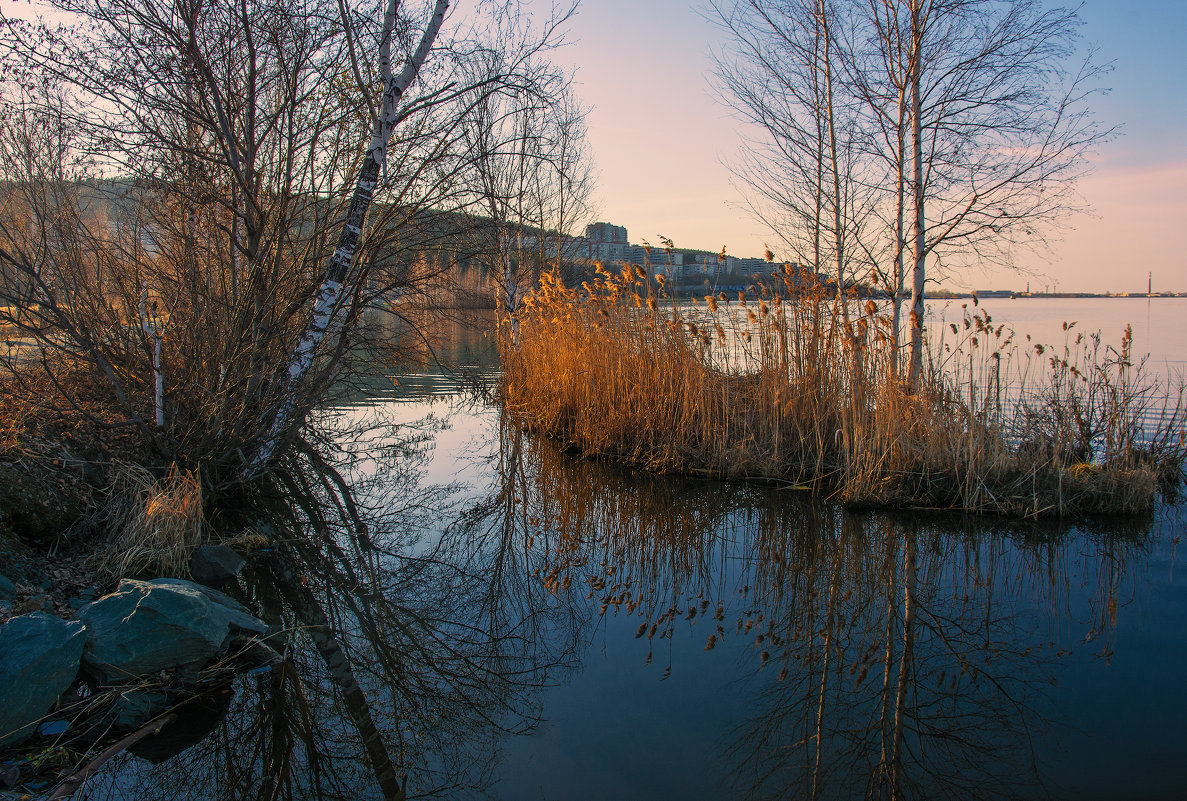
(806, 387)
(157, 523)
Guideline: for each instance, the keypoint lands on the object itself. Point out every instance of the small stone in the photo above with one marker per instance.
(39, 659)
(41, 601)
(213, 564)
(134, 708)
(52, 728)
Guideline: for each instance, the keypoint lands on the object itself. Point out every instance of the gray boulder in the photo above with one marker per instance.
(7, 589)
(237, 615)
(212, 564)
(148, 626)
(39, 658)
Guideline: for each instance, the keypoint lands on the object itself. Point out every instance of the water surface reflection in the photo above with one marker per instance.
(397, 658)
(861, 654)
(444, 582)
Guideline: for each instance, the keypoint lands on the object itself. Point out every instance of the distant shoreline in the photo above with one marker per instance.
(1005, 293)
(996, 294)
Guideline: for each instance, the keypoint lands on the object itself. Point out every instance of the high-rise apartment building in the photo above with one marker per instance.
(607, 233)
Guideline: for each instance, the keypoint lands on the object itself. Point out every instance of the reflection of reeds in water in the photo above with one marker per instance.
(893, 659)
(807, 389)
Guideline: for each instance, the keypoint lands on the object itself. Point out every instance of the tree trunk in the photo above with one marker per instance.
(919, 272)
(906, 664)
(900, 236)
(317, 625)
(330, 293)
(834, 158)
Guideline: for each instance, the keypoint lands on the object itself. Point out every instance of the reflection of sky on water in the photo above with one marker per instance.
(664, 638)
(1159, 324)
(666, 719)
(1086, 625)
(461, 432)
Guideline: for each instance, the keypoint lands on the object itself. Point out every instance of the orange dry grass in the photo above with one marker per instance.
(806, 389)
(157, 523)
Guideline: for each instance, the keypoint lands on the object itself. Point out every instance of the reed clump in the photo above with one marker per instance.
(792, 382)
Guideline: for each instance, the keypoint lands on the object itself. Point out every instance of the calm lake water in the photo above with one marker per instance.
(738, 641)
(1159, 324)
(535, 626)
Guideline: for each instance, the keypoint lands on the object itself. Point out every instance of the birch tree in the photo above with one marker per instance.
(878, 76)
(1000, 131)
(933, 132)
(329, 294)
(782, 73)
(272, 165)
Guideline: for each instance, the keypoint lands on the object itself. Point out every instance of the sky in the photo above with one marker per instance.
(661, 142)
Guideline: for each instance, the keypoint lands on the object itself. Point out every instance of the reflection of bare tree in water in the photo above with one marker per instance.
(895, 660)
(402, 654)
(889, 680)
(513, 542)
(913, 660)
(898, 659)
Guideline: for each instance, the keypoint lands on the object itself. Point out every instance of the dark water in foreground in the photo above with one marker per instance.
(792, 649)
(544, 627)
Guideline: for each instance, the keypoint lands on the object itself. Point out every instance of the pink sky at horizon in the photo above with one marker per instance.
(1142, 204)
(660, 142)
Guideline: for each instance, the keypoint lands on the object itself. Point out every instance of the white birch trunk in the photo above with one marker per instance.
(152, 329)
(330, 294)
(919, 272)
(159, 383)
(834, 157)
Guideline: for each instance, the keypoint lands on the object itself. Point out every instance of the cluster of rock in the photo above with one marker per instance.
(116, 642)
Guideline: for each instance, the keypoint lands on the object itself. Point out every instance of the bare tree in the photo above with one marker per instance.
(961, 115)
(783, 76)
(330, 293)
(530, 174)
(999, 130)
(267, 170)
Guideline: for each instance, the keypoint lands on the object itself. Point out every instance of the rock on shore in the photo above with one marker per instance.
(165, 624)
(141, 629)
(39, 659)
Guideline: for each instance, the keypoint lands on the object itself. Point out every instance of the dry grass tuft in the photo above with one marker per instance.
(795, 384)
(156, 524)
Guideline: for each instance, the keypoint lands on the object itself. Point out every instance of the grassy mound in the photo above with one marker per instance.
(792, 383)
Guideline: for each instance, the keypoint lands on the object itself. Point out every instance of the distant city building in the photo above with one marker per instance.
(606, 252)
(656, 258)
(608, 243)
(750, 266)
(573, 248)
(607, 233)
